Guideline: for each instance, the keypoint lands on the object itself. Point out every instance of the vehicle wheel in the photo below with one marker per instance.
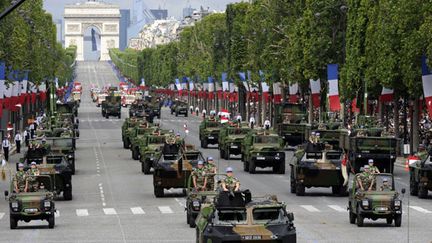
(73, 167)
(246, 166)
(176, 114)
(335, 190)
(158, 191)
(146, 167)
(13, 222)
(293, 183)
(398, 220)
(281, 168)
(227, 154)
(119, 116)
(204, 143)
(252, 167)
(158, 116)
(343, 191)
(197, 236)
(389, 220)
(188, 217)
(413, 185)
(300, 189)
(192, 223)
(242, 157)
(106, 116)
(360, 220)
(186, 115)
(422, 191)
(221, 153)
(67, 195)
(352, 216)
(51, 222)
(135, 155)
(126, 143)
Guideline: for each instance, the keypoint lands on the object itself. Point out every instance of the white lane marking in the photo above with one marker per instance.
(82, 212)
(337, 208)
(181, 202)
(109, 211)
(57, 213)
(2, 215)
(165, 209)
(137, 210)
(420, 209)
(310, 208)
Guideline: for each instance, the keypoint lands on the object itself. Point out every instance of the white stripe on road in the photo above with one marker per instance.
(420, 209)
(310, 208)
(337, 208)
(82, 212)
(109, 211)
(2, 215)
(137, 210)
(57, 214)
(165, 209)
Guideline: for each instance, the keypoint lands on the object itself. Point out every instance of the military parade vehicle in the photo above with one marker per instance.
(68, 107)
(179, 108)
(230, 139)
(382, 202)
(237, 217)
(138, 135)
(209, 132)
(137, 109)
(127, 129)
(150, 150)
(111, 106)
(100, 99)
(36, 204)
(369, 141)
(420, 167)
(174, 166)
(59, 145)
(263, 148)
(291, 125)
(317, 165)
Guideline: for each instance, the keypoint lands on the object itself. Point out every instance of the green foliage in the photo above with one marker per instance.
(127, 62)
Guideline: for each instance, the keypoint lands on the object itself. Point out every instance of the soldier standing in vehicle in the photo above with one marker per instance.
(20, 179)
(385, 185)
(32, 173)
(267, 124)
(199, 177)
(373, 169)
(365, 180)
(211, 170)
(230, 183)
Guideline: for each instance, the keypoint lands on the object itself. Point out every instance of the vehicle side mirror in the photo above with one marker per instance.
(6, 193)
(403, 191)
(290, 216)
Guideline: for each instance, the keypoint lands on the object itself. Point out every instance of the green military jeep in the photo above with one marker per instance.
(58, 145)
(180, 108)
(127, 129)
(111, 106)
(382, 202)
(150, 150)
(209, 132)
(420, 175)
(230, 140)
(237, 217)
(290, 120)
(138, 135)
(262, 148)
(36, 204)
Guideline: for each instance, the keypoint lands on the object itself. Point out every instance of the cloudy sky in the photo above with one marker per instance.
(175, 7)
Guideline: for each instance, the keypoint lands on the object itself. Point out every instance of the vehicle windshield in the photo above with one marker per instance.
(268, 215)
(212, 124)
(317, 155)
(378, 143)
(333, 155)
(62, 143)
(143, 131)
(384, 182)
(157, 140)
(237, 131)
(230, 217)
(266, 139)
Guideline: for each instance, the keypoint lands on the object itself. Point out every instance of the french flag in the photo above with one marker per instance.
(211, 88)
(315, 86)
(293, 91)
(179, 86)
(277, 93)
(427, 85)
(2, 85)
(242, 76)
(225, 85)
(265, 87)
(386, 95)
(332, 77)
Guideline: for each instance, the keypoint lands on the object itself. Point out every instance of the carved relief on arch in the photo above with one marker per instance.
(85, 26)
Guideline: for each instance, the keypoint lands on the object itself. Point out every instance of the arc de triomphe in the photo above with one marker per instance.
(101, 16)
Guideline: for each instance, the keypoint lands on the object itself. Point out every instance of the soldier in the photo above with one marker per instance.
(32, 173)
(267, 124)
(211, 170)
(365, 179)
(20, 179)
(199, 177)
(373, 169)
(385, 185)
(312, 137)
(230, 183)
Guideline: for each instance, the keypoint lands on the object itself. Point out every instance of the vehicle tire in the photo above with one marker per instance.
(252, 167)
(119, 116)
(176, 114)
(192, 223)
(106, 116)
(135, 154)
(197, 236)
(221, 153)
(422, 191)
(335, 190)
(51, 222)
(204, 143)
(186, 115)
(227, 154)
(126, 143)
(73, 167)
(146, 167)
(158, 191)
(389, 220)
(360, 219)
(343, 191)
(352, 216)
(246, 166)
(281, 168)
(300, 189)
(67, 195)
(398, 220)
(293, 182)
(188, 217)
(13, 222)
(242, 157)
(413, 185)
(158, 116)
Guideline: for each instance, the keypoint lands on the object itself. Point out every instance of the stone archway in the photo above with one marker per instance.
(81, 16)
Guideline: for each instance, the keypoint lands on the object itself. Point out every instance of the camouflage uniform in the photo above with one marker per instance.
(210, 171)
(230, 182)
(386, 187)
(20, 180)
(366, 179)
(199, 175)
(32, 182)
(373, 169)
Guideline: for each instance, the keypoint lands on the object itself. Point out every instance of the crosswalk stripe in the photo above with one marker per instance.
(109, 211)
(165, 209)
(2, 215)
(310, 208)
(57, 213)
(337, 208)
(137, 210)
(420, 209)
(82, 212)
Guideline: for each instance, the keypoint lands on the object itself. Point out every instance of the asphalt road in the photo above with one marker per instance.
(114, 202)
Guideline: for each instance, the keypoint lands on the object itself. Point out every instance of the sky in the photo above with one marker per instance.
(175, 7)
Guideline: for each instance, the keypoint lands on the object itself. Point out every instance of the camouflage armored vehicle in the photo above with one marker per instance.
(127, 129)
(209, 132)
(239, 218)
(230, 140)
(150, 150)
(172, 170)
(263, 148)
(317, 165)
(111, 106)
(291, 123)
(138, 137)
(53, 164)
(382, 202)
(137, 109)
(69, 107)
(420, 168)
(180, 108)
(371, 142)
(59, 145)
(35, 204)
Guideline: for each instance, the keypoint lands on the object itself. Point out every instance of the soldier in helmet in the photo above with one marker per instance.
(211, 170)
(199, 177)
(385, 185)
(20, 179)
(32, 173)
(365, 180)
(373, 169)
(230, 183)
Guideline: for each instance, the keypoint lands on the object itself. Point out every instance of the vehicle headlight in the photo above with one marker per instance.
(14, 204)
(359, 155)
(47, 204)
(70, 156)
(397, 203)
(365, 203)
(258, 154)
(277, 154)
(392, 156)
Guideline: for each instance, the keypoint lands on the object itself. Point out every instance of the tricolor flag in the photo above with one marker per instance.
(178, 85)
(293, 91)
(315, 86)
(2, 85)
(211, 88)
(332, 77)
(264, 87)
(191, 84)
(219, 90)
(242, 76)
(277, 92)
(386, 95)
(427, 85)
(225, 85)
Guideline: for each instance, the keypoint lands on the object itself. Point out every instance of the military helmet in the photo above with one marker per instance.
(200, 162)
(370, 161)
(385, 179)
(366, 167)
(210, 159)
(229, 169)
(20, 165)
(33, 163)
